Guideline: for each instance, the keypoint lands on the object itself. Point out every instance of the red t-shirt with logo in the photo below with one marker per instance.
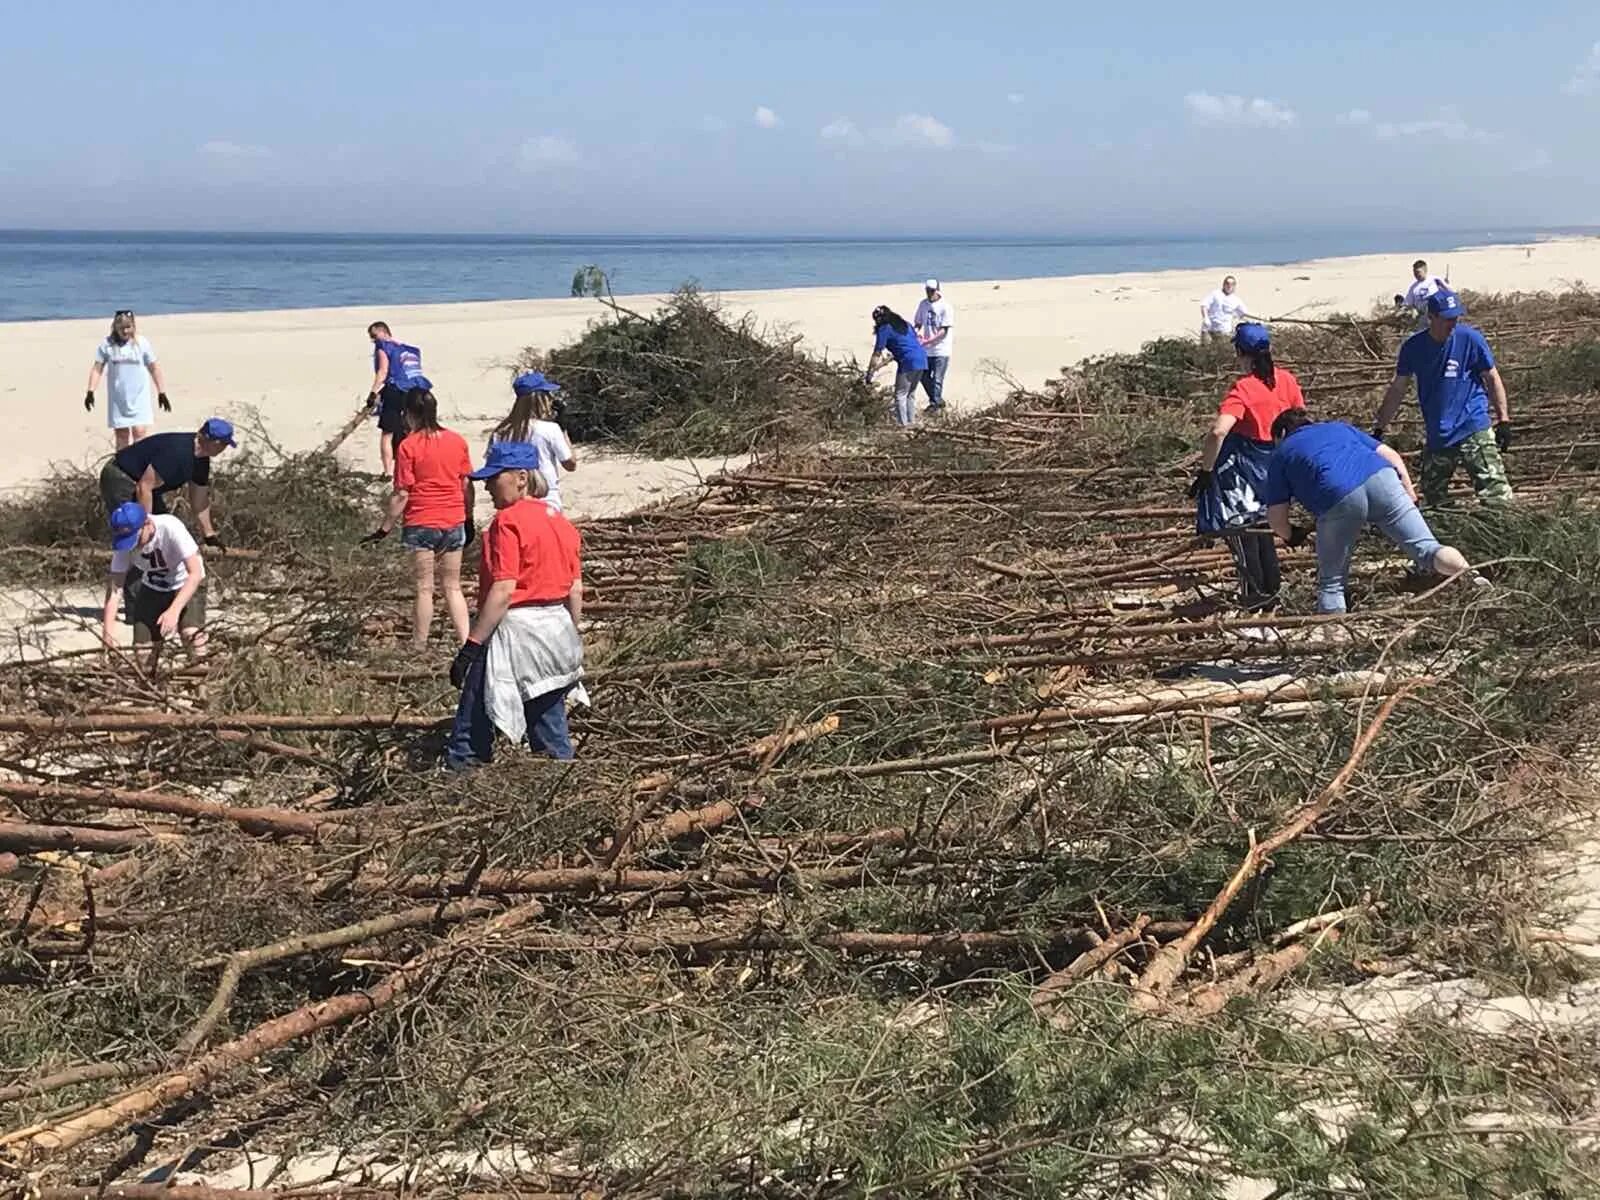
(1255, 406)
(535, 545)
(429, 467)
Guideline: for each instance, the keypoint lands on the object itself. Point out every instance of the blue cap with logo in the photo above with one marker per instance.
(1250, 337)
(1445, 303)
(508, 456)
(219, 430)
(533, 381)
(127, 521)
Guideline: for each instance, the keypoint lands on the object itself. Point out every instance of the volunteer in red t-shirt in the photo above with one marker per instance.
(523, 654)
(1230, 486)
(432, 498)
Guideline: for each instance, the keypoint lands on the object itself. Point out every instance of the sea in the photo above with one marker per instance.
(51, 274)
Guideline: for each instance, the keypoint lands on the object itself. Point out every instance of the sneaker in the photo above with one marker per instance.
(460, 766)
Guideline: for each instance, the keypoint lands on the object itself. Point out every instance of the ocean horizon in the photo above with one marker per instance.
(89, 273)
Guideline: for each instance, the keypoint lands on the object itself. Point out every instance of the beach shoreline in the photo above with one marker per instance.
(304, 370)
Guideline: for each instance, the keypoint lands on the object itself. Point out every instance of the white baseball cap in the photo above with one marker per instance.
(932, 285)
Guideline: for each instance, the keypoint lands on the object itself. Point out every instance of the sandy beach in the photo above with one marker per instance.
(305, 370)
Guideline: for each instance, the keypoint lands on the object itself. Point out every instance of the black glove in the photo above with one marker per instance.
(88, 401)
(161, 399)
(1202, 480)
(372, 401)
(1502, 435)
(470, 652)
(1298, 534)
(214, 540)
(376, 536)
(1399, 300)
(472, 530)
(1377, 433)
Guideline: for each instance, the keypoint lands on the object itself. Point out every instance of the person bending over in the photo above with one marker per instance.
(167, 594)
(164, 462)
(894, 338)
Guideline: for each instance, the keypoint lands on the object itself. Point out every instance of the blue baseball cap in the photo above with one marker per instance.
(1445, 303)
(127, 521)
(1250, 337)
(219, 430)
(508, 456)
(533, 381)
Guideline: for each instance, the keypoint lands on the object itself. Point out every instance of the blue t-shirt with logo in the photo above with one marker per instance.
(405, 365)
(1449, 383)
(1320, 464)
(908, 353)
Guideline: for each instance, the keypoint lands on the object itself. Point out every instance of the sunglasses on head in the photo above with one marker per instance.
(122, 312)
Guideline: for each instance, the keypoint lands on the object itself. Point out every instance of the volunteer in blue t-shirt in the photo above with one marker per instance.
(396, 370)
(1347, 480)
(1457, 384)
(892, 336)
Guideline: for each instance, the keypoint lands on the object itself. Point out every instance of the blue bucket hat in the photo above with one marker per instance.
(1445, 303)
(219, 430)
(508, 456)
(533, 381)
(1251, 337)
(127, 521)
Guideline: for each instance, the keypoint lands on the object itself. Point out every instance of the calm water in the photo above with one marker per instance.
(46, 275)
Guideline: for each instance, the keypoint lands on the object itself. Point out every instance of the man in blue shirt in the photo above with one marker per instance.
(1347, 480)
(1457, 382)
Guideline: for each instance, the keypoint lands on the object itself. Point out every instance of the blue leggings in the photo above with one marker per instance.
(1380, 501)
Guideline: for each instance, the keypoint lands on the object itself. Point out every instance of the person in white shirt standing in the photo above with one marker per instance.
(129, 364)
(1221, 311)
(1416, 296)
(932, 321)
(532, 420)
(169, 594)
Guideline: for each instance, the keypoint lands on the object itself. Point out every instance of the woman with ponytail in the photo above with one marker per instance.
(1230, 487)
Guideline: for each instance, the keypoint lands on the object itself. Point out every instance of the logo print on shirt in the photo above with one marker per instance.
(1452, 369)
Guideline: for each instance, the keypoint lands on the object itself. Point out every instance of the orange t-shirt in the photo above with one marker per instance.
(533, 544)
(429, 467)
(1255, 406)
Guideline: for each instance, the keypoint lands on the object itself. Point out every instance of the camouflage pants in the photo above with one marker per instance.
(1480, 456)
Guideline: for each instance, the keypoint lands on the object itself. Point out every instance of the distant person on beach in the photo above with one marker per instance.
(1221, 311)
(894, 338)
(1457, 383)
(1416, 296)
(129, 366)
(164, 462)
(396, 370)
(432, 501)
(1347, 480)
(166, 593)
(1233, 465)
(532, 420)
(523, 654)
(933, 320)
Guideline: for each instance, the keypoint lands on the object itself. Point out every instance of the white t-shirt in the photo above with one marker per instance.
(161, 559)
(1222, 311)
(550, 440)
(1419, 291)
(933, 315)
(128, 392)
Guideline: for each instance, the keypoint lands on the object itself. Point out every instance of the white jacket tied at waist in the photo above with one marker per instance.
(533, 650)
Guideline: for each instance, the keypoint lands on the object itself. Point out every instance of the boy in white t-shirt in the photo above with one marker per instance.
(1221, 311)
(932, 321)
(169, 594)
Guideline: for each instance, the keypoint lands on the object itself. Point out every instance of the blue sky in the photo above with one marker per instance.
(915, 118)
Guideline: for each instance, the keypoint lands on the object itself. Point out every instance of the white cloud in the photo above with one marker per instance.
(844, 131)
(1208, 109)
(918, 129)
(1447, 126)
(235, 151)
(1015, 97)
(766, 118)
(1356, 116)
(1586, 78)
(547, 150)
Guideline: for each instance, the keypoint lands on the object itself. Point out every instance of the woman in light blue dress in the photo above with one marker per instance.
(130, 367)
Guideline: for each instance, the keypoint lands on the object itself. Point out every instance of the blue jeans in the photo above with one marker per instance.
(472, 734)
(933, 379)
(1380, 501)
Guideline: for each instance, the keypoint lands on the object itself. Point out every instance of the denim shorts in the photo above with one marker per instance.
(440, 541)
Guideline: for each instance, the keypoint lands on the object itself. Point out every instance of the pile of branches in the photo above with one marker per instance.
(968, 861)
(690, 379)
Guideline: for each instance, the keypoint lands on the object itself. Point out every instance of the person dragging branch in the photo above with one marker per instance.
(1227, 489)
(894, 338)
(523, 654)
(1347, 480)
(167, 595)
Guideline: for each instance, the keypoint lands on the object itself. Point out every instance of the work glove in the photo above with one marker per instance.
(866, 378)
(1298, 535)
(163, 402)
(214, 540)
(376, 536)
(471, 652)
(1399, 300)
(1377, 433)
(88, 401)
(372, 401)
(1202, 480)
(472, 530)
(1502, 435)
